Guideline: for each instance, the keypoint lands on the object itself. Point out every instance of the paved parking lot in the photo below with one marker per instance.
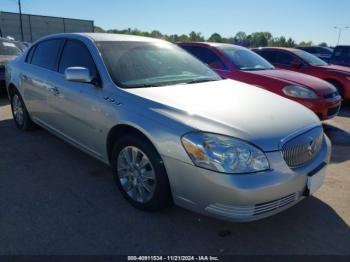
(54, 199)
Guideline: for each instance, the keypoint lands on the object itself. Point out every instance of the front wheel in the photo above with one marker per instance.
(20, 113)
(140, 173)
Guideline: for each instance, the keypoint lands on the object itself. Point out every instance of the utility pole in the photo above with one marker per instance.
(340, 28)
(20, 18)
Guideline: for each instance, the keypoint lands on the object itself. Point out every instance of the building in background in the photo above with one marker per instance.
(36, 26)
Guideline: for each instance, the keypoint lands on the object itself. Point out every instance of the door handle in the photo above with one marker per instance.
(54, 90)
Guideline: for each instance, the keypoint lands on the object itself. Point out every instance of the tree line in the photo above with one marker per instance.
(256, 39)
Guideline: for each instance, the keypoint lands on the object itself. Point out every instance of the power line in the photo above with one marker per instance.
(340, 28)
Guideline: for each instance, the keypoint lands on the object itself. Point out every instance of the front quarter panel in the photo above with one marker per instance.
(146, 116)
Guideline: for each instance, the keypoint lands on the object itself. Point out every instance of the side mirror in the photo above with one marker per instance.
(296, 64)
(78, 74)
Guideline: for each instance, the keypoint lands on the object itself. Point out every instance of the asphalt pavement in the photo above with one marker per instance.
(54, 199)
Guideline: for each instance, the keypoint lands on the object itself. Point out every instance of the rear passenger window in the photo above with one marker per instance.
(76, 53)
(46, 53)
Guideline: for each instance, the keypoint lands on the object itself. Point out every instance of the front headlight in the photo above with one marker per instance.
(224, 154)
(298, 91)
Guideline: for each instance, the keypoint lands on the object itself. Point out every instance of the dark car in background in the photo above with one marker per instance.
(304, 62)
(321, 52)
(341, 56)
(8, 51)
(241, 64)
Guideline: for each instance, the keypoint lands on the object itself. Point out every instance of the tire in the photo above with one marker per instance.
(20, 113)
(338, 86)
(143, 182)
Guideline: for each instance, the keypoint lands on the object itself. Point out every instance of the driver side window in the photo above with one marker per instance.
(76, 54)
(208, 57)
(285, 58)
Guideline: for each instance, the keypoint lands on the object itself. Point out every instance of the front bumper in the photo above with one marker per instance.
(323, 108)
(241, 197)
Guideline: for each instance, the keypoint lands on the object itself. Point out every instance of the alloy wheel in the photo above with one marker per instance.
(17, 108)
(136, 174)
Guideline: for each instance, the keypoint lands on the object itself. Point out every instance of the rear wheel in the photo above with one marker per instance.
(20, 113)
(140, 173)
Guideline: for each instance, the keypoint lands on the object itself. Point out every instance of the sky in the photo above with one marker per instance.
(303, 20)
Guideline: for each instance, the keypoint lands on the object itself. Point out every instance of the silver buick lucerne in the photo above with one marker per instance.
(171, 129)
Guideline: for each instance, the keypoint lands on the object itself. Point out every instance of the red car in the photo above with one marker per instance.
(303, 62)
(241, 64)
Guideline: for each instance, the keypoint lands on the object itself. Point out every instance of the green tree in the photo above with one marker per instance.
(183, 38)
(156, 34)
(215, 38)
(323, 44)
(267, 35)
(258, 39)
(255, 39)
(241, 36)
(194, 36)
(303, 43)
(290, 42)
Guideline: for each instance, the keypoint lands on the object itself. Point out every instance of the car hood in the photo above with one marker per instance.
(231, 108)
(6, 58)
(337, 68)
(320, 86)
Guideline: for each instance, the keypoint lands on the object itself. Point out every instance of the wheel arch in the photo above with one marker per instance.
(122, 129)
(337, 82)
(11, 89)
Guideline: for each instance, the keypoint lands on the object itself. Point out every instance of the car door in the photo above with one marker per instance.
(37, 82)
(76, 105)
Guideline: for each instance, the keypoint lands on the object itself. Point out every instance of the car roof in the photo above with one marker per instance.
(308, 46)
(102, 37)
(210, 44)
(276, 48)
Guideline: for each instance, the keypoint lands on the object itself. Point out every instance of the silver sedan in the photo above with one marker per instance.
(171, 129)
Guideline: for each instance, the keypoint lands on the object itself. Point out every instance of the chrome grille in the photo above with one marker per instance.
(302, 149)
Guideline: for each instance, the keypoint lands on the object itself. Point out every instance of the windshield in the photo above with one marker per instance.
(310, 58)
(144, 64)
(8, 48)
(245, 59)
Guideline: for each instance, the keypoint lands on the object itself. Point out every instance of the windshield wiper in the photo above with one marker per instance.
(145, 85)
(201, 80)
(193, 81)
(256, 69)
